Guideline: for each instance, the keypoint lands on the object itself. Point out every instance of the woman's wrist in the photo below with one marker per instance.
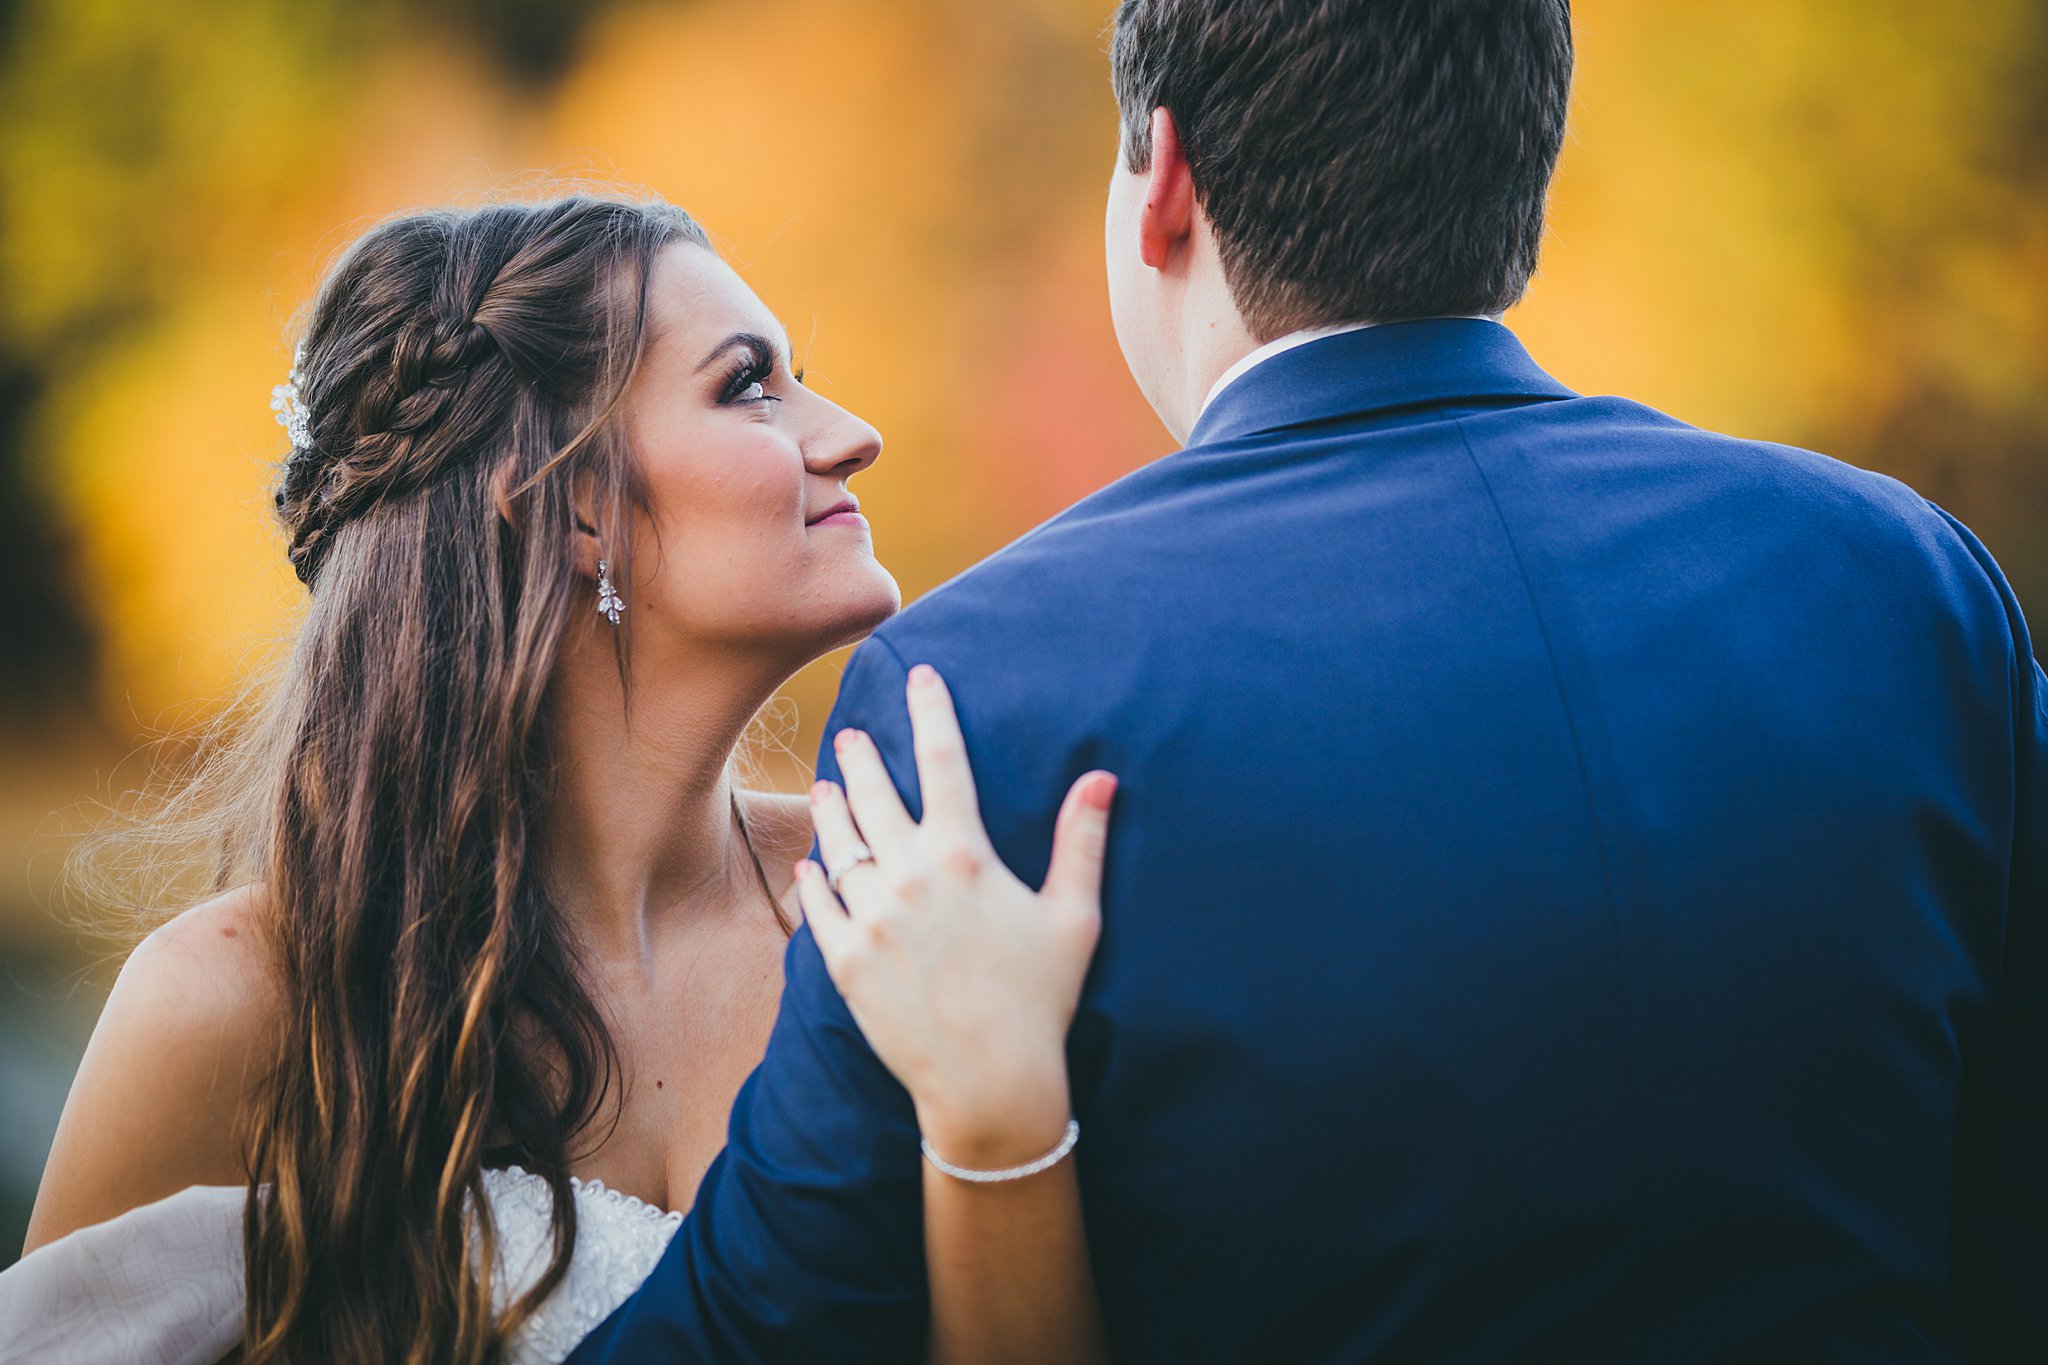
(1001, 1123)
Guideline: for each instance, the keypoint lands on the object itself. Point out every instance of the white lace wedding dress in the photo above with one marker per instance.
(618, 1240)
(162, 1284)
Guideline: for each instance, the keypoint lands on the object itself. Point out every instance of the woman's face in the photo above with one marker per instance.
(751, 544)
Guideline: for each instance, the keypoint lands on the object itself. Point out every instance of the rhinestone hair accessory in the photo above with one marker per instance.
(289, 409)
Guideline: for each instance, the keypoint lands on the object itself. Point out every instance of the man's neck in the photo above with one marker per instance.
(1210, 336)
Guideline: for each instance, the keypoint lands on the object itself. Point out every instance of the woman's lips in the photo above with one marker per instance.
(845, 514)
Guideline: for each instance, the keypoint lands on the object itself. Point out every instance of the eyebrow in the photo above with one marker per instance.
(752, 340)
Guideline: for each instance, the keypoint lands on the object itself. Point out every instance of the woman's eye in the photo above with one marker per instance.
(749, 384)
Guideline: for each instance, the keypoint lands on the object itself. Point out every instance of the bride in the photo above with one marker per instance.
(497, 935)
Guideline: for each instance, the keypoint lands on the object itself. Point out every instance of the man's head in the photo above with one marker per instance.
(1344, 160)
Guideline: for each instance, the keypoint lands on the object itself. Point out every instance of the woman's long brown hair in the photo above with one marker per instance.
(460, 372)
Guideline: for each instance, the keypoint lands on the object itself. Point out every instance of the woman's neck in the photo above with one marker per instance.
(640, 833)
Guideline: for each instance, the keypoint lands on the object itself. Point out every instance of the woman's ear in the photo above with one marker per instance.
(501, 493)
(586, 548)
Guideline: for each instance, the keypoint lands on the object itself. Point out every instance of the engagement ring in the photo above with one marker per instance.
(861, 854)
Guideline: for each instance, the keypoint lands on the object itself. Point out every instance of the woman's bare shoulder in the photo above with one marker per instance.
(227, 939)
(161, 1097)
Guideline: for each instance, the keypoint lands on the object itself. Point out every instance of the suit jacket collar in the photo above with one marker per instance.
(1396, 365)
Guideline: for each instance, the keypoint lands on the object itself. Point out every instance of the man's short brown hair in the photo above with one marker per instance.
(1360, 160)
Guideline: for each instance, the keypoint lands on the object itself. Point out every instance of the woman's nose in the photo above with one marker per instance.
(843, 446)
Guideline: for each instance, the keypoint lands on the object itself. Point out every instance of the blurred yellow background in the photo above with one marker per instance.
(1818, 221)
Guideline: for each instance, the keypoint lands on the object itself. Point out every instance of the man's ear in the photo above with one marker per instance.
(1167, 222)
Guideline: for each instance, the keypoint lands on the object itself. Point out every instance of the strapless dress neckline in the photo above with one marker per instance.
(619, 1238)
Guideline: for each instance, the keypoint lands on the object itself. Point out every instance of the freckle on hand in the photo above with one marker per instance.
(657, 1085)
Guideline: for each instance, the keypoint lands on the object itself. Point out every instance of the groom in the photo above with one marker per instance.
(1580, 886)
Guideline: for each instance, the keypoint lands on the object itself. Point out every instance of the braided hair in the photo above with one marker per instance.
(426, 337)
(459, 370)
(431, 360)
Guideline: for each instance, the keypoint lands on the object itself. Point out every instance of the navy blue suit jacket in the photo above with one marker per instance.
(1579, 891)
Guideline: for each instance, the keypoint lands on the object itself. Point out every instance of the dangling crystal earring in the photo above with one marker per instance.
(608, 604)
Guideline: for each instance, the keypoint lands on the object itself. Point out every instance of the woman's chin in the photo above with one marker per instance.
(862, 617)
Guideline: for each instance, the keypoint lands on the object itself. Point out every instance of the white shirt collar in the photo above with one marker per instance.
(1278, 346)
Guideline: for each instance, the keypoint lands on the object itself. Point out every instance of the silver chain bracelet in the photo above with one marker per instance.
(1044, 1163)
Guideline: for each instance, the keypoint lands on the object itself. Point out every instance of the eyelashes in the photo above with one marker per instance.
(753, 369)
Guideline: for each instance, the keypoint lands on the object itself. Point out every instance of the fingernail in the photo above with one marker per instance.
(924, 674)
(820, 790)
(844, 738)
(800, 867)
(1102, 789)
